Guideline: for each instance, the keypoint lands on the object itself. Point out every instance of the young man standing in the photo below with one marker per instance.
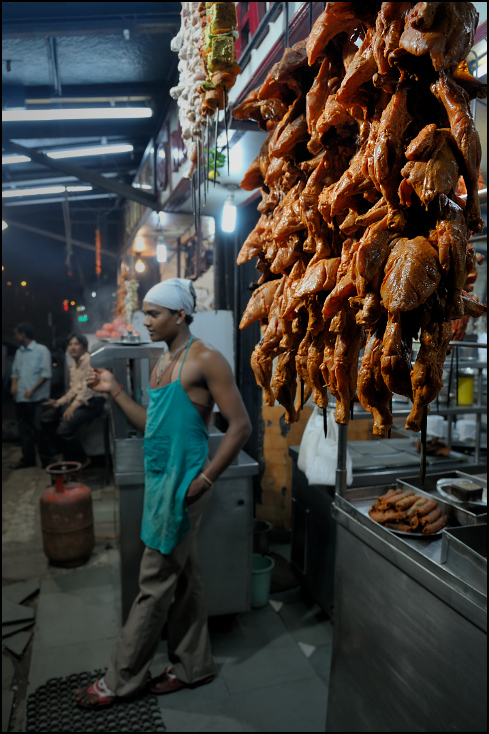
(30, 387)
(184, 385)
(63, 417)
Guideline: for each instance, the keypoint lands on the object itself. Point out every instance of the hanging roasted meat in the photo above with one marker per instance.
(363, 238)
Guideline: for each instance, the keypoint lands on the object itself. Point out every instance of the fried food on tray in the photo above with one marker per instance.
(370, 138)
(408, 512)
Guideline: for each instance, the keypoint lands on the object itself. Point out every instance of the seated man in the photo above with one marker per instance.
(63, 417)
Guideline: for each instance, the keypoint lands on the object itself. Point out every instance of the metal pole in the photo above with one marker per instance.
(340, 487)
(286, 20)
(478, 419)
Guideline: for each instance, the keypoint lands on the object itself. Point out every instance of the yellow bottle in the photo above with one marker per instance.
(466, 387)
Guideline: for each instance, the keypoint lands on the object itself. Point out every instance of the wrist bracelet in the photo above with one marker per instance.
(211, 484)
(118, 393)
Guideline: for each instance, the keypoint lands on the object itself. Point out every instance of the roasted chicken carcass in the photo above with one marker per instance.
(373, 393)
(363, 232)
(426, 378)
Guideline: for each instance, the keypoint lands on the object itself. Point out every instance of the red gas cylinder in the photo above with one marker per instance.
(66, 517)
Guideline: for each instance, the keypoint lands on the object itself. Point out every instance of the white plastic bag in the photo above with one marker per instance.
(318, 456)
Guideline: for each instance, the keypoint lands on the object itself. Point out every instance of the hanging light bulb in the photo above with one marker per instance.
(139, 266)
(160, 249)
(139, 244)
(229, 215)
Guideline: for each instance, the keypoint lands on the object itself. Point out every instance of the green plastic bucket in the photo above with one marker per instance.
(260, 579)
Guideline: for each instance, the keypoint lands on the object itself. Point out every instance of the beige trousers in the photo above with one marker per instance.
(171, 591)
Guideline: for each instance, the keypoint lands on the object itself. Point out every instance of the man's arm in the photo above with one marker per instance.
(29, 393)
(102, 380)
(221, 383)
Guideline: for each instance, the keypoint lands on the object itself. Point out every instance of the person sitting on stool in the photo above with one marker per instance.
(63, 417)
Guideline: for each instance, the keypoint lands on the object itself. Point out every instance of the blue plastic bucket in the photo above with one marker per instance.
(260, 579)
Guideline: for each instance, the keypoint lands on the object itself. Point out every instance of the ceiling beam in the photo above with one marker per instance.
(54, 236)
(106, 184)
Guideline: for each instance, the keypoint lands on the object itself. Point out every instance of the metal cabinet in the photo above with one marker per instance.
(313, 536)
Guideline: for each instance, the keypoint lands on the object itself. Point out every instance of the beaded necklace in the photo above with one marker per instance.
(160, 369)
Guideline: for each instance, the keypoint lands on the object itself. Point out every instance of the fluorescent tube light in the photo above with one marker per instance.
(229, 215)
(8, 159)
(9, 193)
(95, 150)
(74, 153)
(101, 113)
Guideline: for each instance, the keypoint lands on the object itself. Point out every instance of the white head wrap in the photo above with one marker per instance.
(174, 293)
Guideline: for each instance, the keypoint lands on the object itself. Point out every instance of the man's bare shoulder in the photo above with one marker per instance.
(208, 356)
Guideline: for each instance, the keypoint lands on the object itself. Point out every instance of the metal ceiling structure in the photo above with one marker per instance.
(84, 55)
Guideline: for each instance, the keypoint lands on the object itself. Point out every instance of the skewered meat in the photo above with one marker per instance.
(410, 514)
(363, 238)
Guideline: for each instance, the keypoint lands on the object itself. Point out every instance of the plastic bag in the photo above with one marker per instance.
(318, 456)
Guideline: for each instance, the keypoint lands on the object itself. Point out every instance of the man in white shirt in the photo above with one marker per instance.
(30, 387)
(61, 420)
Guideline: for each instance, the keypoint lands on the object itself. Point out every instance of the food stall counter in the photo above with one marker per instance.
(410, 634)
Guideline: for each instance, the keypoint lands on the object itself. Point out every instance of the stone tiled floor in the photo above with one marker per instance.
(273, 662)
(273, 666)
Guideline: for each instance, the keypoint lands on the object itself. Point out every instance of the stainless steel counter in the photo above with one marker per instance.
(409, 644)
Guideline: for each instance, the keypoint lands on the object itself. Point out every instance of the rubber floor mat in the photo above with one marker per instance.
(52, 708)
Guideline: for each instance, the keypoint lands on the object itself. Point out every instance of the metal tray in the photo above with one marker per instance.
(463, 512)
(412, 535)
(464, 551)
(363, 498)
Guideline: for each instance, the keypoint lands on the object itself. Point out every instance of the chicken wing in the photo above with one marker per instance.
(373, 393)
(412, 274)
(456, 104)
(452, 237)
(389, 153)
(426, 378)
(437, 172)
(445, 31)
(259, 303)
